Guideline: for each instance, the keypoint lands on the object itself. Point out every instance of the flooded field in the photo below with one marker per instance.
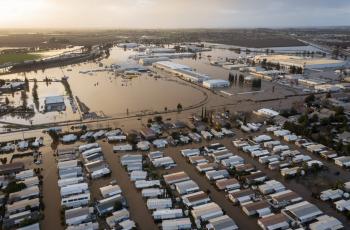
(109, 95)
(103, 92)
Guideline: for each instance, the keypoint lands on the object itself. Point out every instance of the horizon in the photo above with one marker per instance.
(156, 14)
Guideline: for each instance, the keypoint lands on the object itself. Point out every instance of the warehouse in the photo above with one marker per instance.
(216, 83)
(170, 66)
(150, 60)
(191, 76)
(286, 61)
(159, 50)
(206, 212)
(54, 103)
(222, 223)
(186, 187)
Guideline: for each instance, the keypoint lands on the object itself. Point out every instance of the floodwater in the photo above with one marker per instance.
(103, 92)
(109, 95)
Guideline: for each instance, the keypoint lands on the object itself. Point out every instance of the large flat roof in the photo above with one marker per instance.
(288, 59)
(173, 65)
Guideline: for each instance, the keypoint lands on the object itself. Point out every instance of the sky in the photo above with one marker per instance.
(173, 13)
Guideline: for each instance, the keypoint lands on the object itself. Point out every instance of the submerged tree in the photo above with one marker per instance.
(7, 101)
(35, 95)
(24, 98)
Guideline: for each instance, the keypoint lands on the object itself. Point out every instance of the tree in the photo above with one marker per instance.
(35, 94)
(179, 107)
(158, 119)
(7, 101)
(309, 99)
(14, 187)
(132, 138)
(26, 84)
(24, 98)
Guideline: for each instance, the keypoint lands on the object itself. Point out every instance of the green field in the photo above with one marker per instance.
(17, 58)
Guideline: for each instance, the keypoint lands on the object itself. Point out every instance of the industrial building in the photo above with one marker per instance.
(216, 83)
(54, 103)
(287, 61)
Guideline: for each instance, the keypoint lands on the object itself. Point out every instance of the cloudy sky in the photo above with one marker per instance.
(172, 13)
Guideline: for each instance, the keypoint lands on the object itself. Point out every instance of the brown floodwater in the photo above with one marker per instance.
(104, 92)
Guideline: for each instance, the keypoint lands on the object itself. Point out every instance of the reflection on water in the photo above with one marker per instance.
(103, 92)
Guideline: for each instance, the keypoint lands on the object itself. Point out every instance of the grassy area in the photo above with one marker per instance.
(16, 58)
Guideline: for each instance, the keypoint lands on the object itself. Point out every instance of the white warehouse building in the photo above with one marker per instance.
(216, 83)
